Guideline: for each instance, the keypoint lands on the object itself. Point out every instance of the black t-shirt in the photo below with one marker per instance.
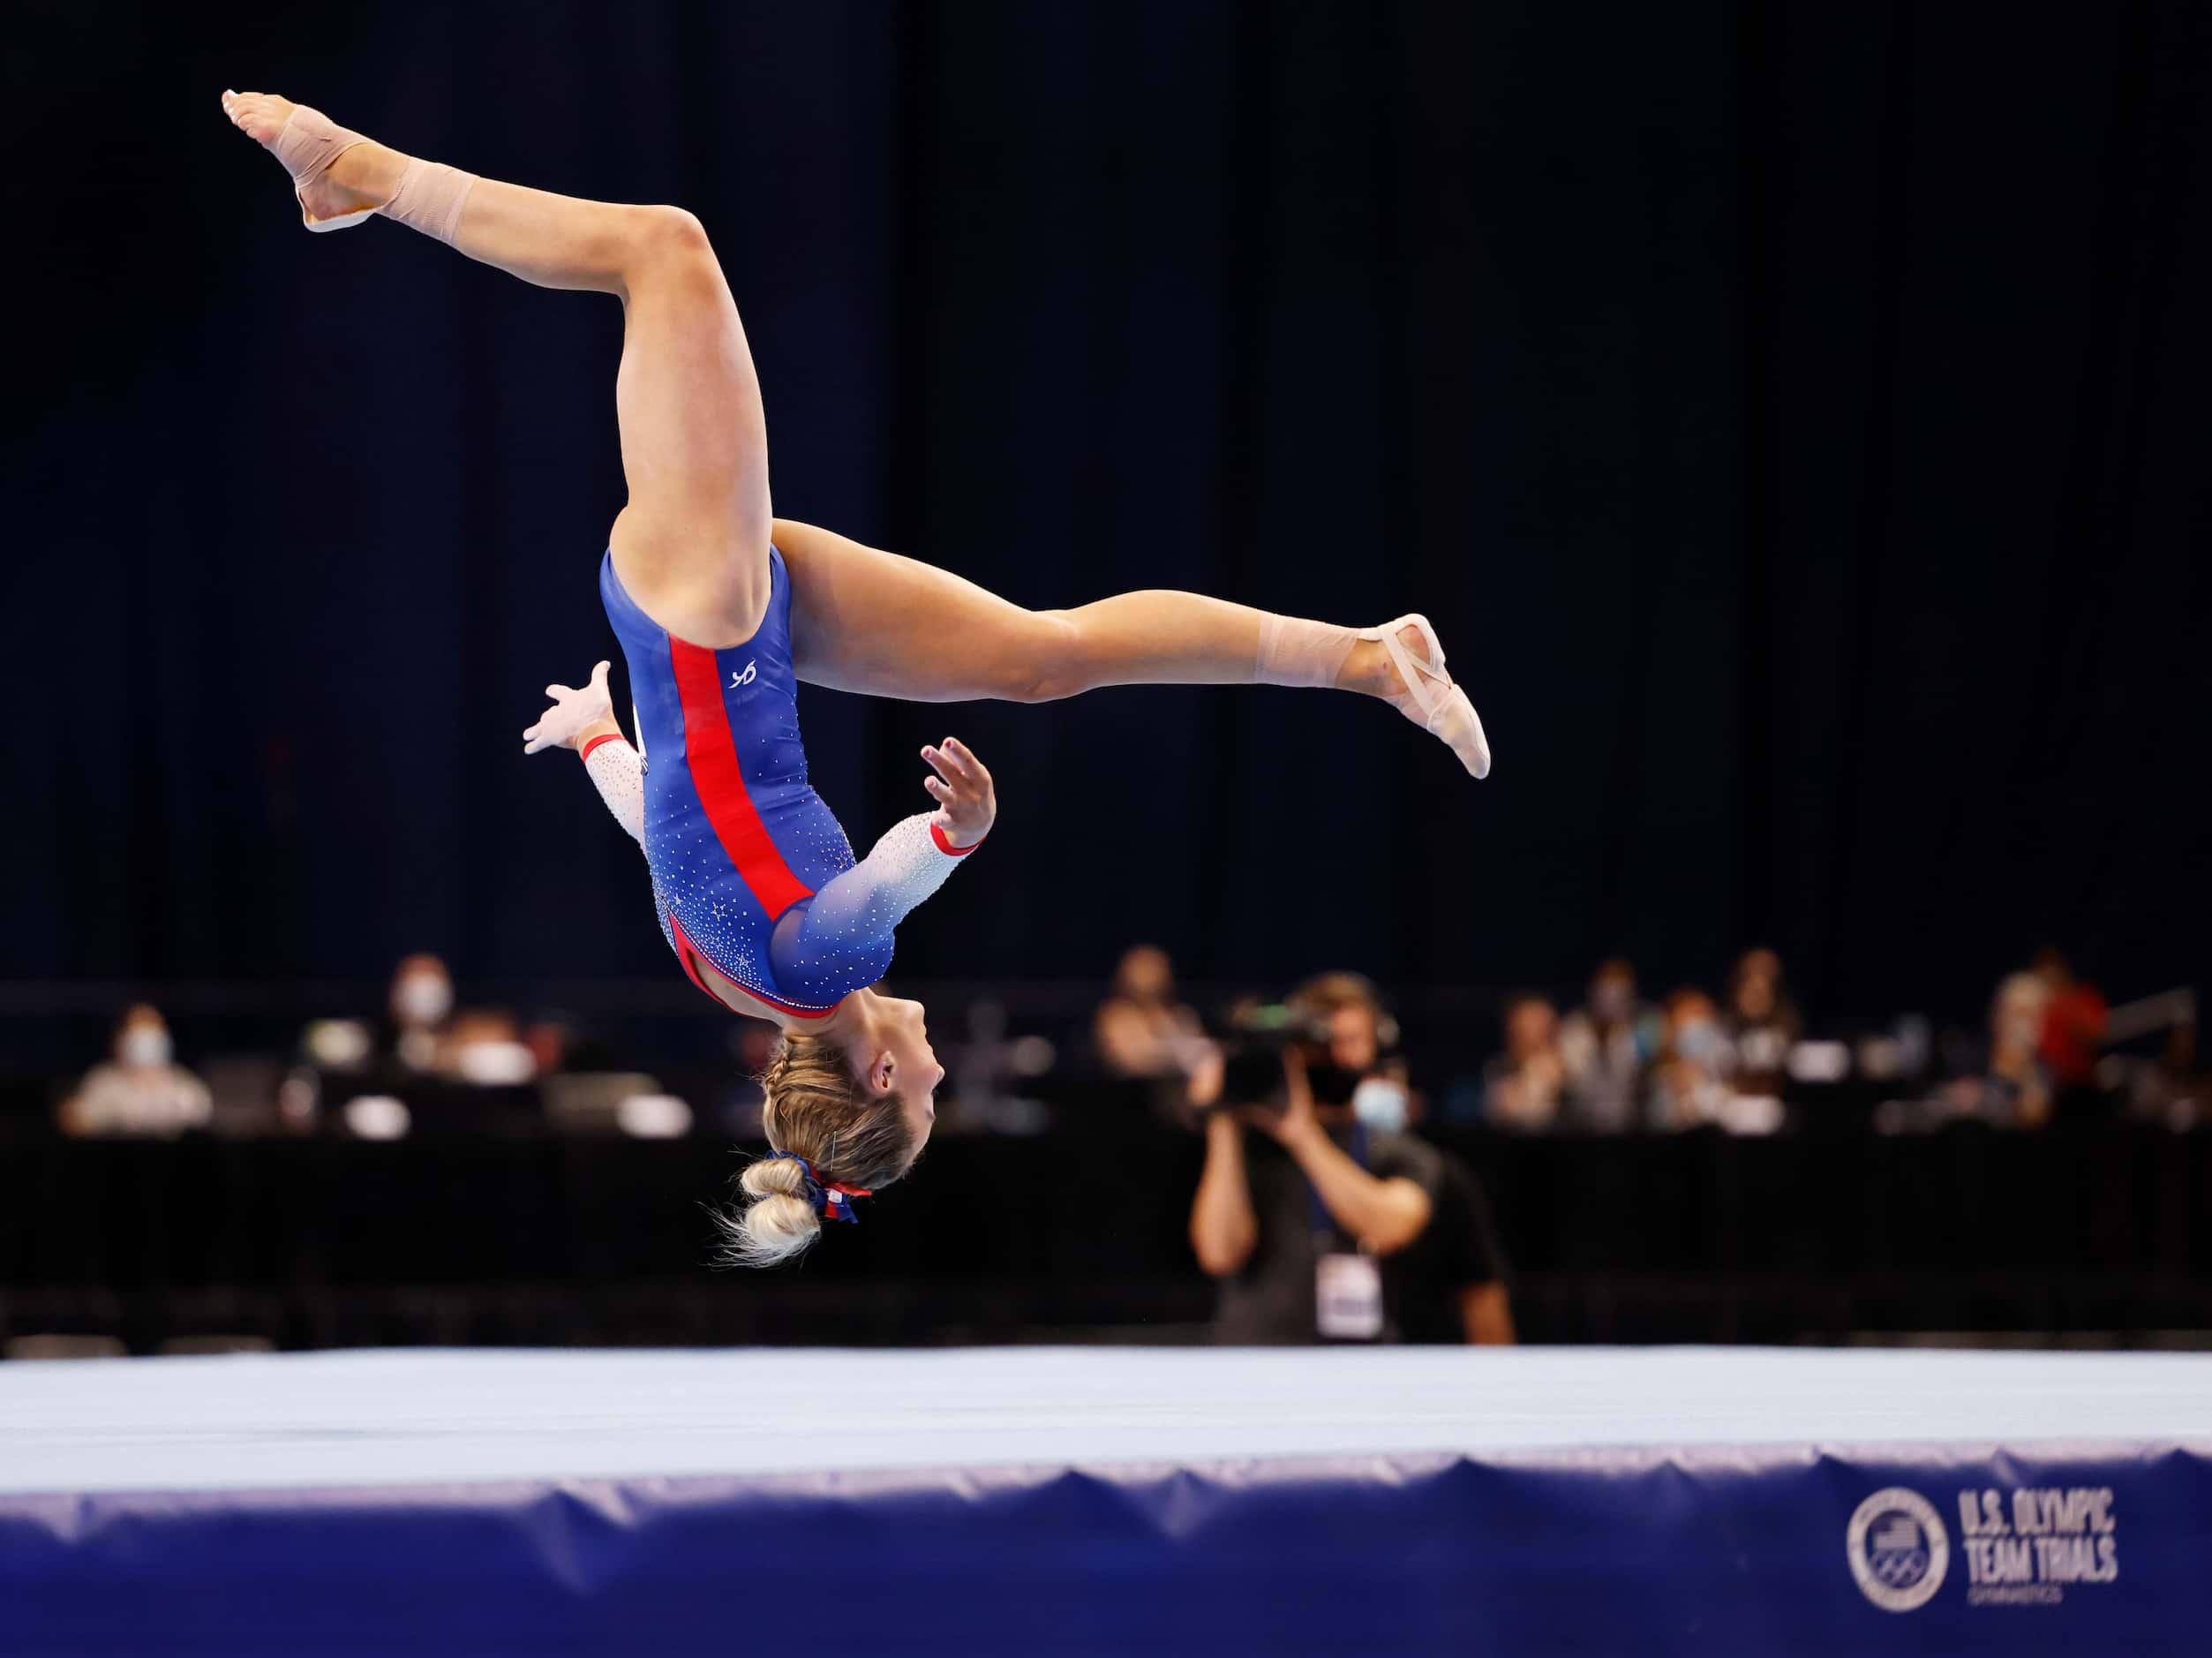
(1459, 1248)
(1269, 1301)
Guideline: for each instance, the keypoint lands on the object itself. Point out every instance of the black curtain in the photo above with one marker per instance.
(1791, 416)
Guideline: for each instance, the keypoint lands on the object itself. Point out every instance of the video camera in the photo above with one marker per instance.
(1253, 1041)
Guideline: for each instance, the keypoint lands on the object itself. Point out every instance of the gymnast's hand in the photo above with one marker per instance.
(572, 714)
(967, 803)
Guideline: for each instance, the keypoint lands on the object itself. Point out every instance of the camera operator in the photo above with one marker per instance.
(1321, 1219)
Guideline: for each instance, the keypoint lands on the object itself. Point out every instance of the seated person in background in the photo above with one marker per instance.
(421, 1002)
(142, 1089)
(2013, 1090)
(1690, 1084)
(1142, 1030)
(1761, 1023)
(1526, 1082)
(426, 1037)
(1606, 1044)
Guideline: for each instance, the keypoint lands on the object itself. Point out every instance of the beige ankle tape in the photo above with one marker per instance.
(310, 141)
(1295, 652)
(430, 198)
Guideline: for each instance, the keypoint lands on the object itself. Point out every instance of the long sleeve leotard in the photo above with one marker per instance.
(751, 872)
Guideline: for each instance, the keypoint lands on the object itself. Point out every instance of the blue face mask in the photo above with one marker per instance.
(1379, 1104)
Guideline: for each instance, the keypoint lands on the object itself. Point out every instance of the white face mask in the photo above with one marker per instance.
(423, 999)
(145, 1046)
(1700, 1041)
(1379, 1104)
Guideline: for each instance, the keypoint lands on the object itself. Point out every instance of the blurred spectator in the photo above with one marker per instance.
(1761, 1023)
(482, 1045)
(1605, 1045)
(2013, 1090)
(1321, 1225)
(421, 1002)
(1142, 1030)
(1690, 1084)
(2017, 1086)
(2072, 1032)
(140, 1090)
(1525, 1082)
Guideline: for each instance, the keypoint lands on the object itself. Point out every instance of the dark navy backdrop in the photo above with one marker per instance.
(1793, 416)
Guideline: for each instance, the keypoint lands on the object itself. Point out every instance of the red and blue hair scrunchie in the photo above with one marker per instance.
(832, 1200)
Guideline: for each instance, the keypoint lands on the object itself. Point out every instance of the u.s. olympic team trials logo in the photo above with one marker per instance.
(1898, 1547)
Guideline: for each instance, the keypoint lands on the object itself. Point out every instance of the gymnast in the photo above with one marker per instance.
(722, 609)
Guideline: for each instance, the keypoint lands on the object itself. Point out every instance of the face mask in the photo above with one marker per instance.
(144, 1046)
(423, 999)
(1700, 1040)
(1379, 1104)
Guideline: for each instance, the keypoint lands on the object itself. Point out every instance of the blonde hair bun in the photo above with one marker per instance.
(777, 1223)
(814, 1105)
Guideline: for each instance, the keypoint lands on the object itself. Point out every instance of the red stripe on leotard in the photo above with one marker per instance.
(721, 780)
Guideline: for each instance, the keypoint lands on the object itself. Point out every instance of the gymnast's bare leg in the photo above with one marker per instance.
(953, 641)
(691, 545)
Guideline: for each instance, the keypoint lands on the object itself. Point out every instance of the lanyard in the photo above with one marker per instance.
(1324, 1223)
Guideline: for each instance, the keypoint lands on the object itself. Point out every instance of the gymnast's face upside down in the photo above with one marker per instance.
(887, 1047)
(849, 1106)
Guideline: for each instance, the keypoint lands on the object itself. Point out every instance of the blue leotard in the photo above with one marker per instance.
(751, 870)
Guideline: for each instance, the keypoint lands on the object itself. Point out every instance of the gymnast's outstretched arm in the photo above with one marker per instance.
(583, 718)
(841, 937)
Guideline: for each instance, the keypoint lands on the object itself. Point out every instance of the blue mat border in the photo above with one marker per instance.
(1714, 1548)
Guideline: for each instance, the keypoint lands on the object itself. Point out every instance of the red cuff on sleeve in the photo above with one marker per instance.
(937, 834)
(605, 737)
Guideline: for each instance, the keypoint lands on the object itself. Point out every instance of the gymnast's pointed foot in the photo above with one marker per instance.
(341, 177)
(1403, 663)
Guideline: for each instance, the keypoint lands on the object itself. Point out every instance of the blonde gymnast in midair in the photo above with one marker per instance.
(722, 608)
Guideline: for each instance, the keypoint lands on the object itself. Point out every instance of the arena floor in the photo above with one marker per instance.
(1110, 1499)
